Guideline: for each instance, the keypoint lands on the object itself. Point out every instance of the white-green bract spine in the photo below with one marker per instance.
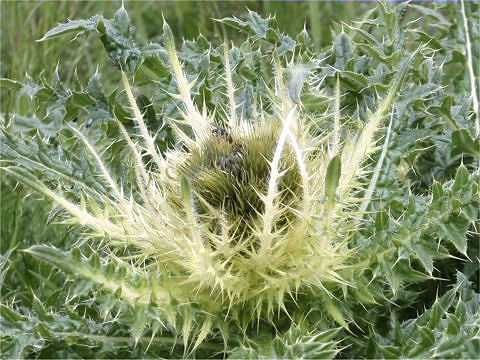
(208, 255)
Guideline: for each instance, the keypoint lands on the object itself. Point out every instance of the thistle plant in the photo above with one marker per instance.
(241, 215)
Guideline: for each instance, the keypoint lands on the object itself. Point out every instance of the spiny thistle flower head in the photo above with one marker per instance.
(242, 214)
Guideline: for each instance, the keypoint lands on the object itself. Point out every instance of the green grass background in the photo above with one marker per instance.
(24, 23)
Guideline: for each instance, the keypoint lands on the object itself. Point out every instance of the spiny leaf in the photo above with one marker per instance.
(343, 50)
(297, 75)
(333, 177)
(77, 26)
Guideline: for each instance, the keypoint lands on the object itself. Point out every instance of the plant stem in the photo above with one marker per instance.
(336, 117)
(468, 47)
(376, 174)
(314, 10)
(127, 339)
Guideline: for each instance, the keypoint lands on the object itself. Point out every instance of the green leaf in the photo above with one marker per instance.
(287, 44)
(146, 107)
(426, 340)
(254, 25)
(381, 221)
(425, 255)
(455, 233)
(168, 39)
(296, 76)
(141, 321)
(334, 312)
(389, 352)
(53, 256)
(332, 178)
(118, 38)
(186, 191)
(10, 315)
(295, 343)
(40, 310)
(436, 314)
(258, 24)
(427, 11)
(77, 26)
(463, 143)
(353, 81)
(4, 264)
(445, 109)
(81, 99)
(343, 50)
(10, 84)
(153, 65)
(461, 179)
(378, 54)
